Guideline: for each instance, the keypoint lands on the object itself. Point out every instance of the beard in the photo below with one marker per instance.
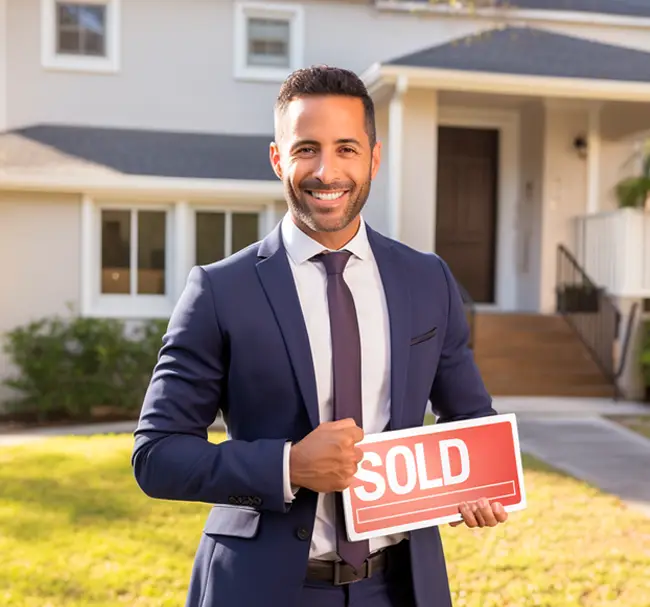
(326, 220)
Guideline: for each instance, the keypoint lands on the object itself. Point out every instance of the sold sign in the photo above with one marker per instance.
(409, 479)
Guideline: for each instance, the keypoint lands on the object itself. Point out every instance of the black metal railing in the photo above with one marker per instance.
(594, 316)
(470, 312)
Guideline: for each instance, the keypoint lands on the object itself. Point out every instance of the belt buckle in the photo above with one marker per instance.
(365, 572)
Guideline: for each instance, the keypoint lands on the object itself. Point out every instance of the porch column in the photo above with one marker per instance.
(3, 66)
(593, 160)
(415, 169)
(395, 155)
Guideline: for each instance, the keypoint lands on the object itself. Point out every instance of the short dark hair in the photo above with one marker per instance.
(325, 80)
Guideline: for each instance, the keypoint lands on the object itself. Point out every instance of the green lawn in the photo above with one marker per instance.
(76, 531)
(638, 423)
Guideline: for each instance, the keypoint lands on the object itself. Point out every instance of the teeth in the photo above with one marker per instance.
(327, 196)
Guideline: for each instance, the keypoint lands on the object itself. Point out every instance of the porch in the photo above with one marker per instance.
(489, 164)
(504, 152)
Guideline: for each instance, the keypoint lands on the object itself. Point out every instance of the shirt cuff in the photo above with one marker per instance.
(289, 492)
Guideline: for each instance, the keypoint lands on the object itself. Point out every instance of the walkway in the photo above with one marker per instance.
(568, 433)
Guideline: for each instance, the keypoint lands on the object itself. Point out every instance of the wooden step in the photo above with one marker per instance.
(535, 355)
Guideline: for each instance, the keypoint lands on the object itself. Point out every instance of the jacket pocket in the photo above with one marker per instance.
(424, 337)
(232, 521)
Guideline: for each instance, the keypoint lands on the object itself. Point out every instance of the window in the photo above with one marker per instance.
(80, 34)
(220, 234)
(136, 258)
(80, 29)
(133, 247)
(268, 40)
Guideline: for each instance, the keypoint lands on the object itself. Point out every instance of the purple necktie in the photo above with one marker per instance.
(346, 371)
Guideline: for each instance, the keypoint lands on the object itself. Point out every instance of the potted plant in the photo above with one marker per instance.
(634, 192)
(573, 298)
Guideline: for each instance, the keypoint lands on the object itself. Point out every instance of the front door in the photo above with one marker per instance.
(466, 214)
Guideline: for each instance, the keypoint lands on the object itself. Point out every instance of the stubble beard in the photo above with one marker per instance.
(323, 221)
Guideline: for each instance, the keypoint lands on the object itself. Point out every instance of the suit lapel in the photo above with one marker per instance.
(278, 283)
(399, 310)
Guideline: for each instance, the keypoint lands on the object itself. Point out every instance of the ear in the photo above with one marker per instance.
(376, 159)
(274, 157)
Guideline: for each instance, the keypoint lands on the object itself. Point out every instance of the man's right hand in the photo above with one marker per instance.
(327, 458)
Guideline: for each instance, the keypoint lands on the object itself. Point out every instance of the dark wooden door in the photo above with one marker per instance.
(466, 213)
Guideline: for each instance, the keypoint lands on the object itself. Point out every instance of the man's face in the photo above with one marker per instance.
(324, 160)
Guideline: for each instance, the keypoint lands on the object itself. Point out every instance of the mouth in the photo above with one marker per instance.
(327, 197)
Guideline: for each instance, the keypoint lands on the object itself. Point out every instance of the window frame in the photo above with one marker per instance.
(293, 14)
(228, 211)
(180, 251)
(52, 60)
(138, 305)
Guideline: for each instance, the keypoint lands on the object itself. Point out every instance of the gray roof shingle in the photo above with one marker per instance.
(161, 153)
(529, 51)
(633, 8)
(629, 8)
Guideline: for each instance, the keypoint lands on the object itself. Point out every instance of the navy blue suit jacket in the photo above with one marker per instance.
(237, 344)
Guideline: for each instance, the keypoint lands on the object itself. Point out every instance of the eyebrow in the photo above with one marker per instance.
(302, 142)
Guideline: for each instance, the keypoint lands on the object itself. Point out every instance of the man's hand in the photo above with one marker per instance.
(481, 514)
(327, 458)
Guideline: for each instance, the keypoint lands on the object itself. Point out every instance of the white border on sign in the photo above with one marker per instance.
(511, 418)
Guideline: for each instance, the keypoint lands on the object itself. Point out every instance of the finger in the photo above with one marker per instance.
(347, 422)
(499, 512)
(487, 514)
(468, 515)
(358, 454)
(355, 433)
(478, 515)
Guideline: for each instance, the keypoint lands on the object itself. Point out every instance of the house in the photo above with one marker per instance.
(134, 144)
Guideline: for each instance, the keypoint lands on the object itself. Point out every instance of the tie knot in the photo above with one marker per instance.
(334, 262)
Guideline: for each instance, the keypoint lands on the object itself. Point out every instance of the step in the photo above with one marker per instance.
(535, 355)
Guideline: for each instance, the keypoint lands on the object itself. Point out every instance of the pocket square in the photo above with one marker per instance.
(424, 336)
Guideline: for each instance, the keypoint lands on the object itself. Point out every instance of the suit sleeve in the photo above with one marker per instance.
(172, 456)
(458, 391)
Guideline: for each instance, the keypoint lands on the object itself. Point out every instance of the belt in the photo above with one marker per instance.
(339, 573)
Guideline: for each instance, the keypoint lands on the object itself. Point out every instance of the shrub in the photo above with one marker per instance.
(68, 367)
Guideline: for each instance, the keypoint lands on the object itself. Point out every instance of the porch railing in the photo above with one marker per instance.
(614, 250)
(594, 316)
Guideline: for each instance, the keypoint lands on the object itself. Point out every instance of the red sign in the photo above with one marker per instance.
(409, 479)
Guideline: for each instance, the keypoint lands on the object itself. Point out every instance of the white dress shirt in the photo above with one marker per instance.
(362, 277)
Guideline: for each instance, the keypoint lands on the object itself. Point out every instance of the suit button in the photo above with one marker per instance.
(302, 533)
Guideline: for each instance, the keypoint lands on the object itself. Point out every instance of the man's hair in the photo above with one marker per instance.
(322, 80)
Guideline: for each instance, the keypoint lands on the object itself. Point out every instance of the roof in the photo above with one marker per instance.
(621, 8)
(634, 8)
(535, 52)
(93, 150)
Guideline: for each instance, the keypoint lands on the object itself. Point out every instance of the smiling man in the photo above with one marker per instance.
(321, 333)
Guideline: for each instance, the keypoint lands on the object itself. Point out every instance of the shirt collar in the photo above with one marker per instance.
(302, 247)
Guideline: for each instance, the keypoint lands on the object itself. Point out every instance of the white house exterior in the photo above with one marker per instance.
(132, 131)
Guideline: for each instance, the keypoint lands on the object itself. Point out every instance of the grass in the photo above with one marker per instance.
(76, 531)
(637, 423)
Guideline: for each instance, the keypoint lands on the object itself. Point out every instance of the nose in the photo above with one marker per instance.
(327, 170)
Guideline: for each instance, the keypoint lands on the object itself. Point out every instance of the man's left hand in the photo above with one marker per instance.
(481, 514)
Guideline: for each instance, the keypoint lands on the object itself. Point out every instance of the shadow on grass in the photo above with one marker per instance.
(46, 488)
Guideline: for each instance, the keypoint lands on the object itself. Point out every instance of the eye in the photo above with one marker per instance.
(305, 150)
(348, 150)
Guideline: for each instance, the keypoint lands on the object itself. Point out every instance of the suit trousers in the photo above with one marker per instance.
(392, 587)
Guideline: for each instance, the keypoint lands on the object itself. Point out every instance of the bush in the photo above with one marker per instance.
(69, 367)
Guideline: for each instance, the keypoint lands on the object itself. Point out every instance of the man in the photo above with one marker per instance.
(322, 332)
